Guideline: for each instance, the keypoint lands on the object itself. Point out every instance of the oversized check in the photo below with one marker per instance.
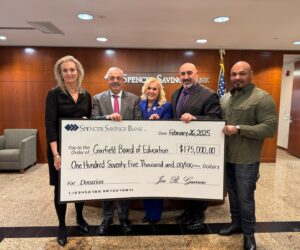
(103, 159)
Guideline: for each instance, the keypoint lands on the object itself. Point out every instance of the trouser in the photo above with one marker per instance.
(61, 209)
(153, 208)
(241, 184)
(108, 209)
(195, 208)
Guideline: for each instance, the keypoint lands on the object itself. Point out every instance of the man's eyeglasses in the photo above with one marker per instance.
(113, 78)
(189, 73)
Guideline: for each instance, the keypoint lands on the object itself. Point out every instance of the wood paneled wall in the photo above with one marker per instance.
(25, 78)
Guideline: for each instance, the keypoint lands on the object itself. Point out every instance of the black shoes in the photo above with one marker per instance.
(249, 242)
(147, 220)
(183, 218)
(192, 223)
(230, 229)
(153, 221)
(62, 236)
(103, 228)
(82, 227)
(195, 223)
(126, 225)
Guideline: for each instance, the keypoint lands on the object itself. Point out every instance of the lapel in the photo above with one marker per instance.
(155, 104)
(191, 98)
(108, 109)
(124, 104)
(143, 104)
(176, 96)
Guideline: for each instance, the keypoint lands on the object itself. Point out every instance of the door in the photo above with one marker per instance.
(294, 134)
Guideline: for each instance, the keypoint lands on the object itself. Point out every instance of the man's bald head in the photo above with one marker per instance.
(242, 64)
(185, 66)
(240, 75)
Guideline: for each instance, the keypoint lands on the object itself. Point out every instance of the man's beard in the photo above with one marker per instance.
(187, 85)
(237, 85)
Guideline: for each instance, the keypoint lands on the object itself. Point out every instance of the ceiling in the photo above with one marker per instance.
(164, 24)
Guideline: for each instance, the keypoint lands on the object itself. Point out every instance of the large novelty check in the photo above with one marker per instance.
(104, 159)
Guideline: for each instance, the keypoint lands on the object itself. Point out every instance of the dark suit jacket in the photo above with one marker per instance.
(129, 106)
(202, 103)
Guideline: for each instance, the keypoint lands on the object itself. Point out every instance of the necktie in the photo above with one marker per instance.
(116, 104)
(181, 102)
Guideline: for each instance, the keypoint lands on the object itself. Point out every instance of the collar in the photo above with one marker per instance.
(190, 90)
(155, 103)
(119, 94)
(243, 90)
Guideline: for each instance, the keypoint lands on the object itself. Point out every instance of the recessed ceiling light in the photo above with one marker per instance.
(85, 16)
(29, 50)
(189, 53)
(102, 39)
(201, 41)
(296, 43)
(3, 38)
(109, 52)
(221, 19)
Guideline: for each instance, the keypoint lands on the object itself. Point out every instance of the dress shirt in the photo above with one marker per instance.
(113, 99)
(183, 97)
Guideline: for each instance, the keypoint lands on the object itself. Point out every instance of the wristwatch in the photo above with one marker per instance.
(238, 128)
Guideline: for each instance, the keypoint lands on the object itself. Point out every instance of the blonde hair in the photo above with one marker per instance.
(161, 98)
(58, 75)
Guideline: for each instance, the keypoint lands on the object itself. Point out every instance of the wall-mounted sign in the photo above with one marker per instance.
(166, 78)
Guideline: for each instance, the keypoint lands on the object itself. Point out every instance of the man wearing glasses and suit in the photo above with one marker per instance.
(194, 102)
(115, 104)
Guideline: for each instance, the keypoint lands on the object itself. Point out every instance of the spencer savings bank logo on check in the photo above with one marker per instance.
(72, 127)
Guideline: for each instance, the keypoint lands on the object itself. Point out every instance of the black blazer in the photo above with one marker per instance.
(202, 103)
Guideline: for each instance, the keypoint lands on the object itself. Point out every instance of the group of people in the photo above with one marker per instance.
(250, 114)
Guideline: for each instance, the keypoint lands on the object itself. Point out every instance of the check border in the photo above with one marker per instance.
(77, 121)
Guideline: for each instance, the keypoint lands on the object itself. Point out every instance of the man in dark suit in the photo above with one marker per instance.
(194, 102)
(115, 104)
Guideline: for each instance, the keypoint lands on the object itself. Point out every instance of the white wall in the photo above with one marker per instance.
(285, 104)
